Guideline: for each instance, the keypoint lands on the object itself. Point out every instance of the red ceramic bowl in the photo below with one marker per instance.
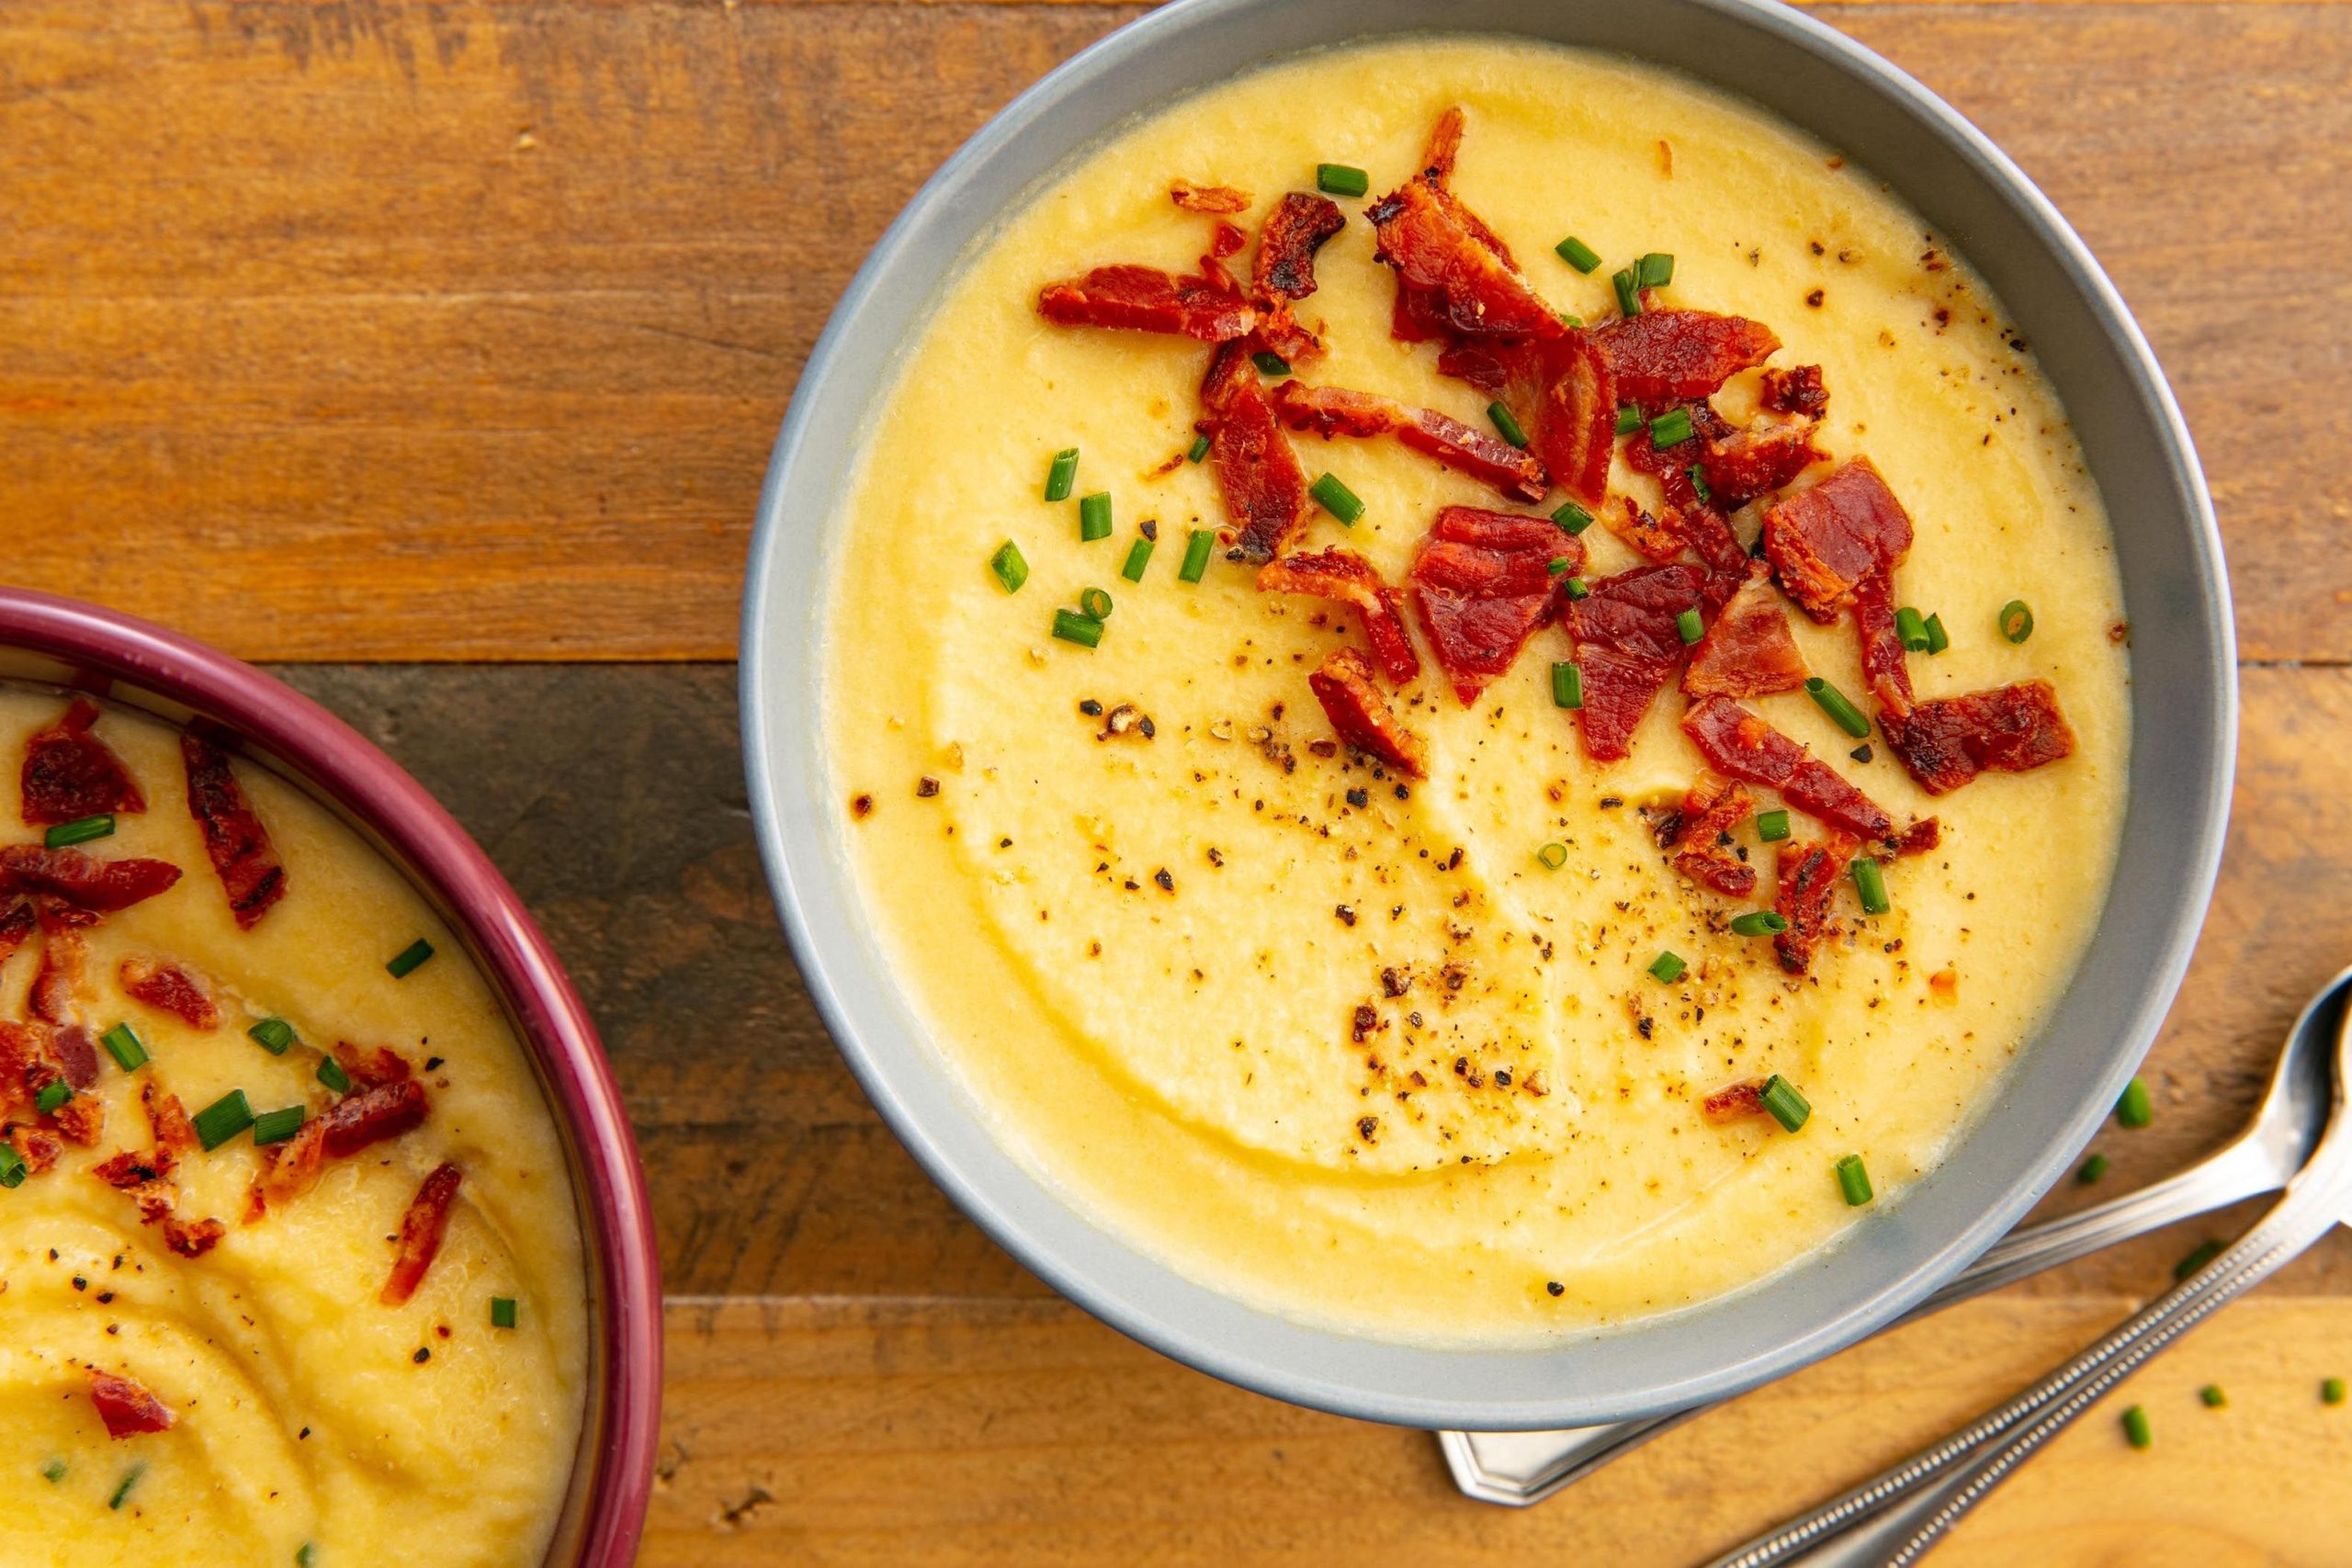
(64, 643)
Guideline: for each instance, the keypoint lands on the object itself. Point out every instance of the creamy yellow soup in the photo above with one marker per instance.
(1145, 956)
(307, 1415)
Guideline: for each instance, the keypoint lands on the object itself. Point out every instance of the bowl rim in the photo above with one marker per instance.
(337, 760)
(1012, 1216)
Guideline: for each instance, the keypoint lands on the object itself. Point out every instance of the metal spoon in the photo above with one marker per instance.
(1945, 1481)
(1522, 1468)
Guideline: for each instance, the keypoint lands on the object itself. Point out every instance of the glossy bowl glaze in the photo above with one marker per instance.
(63, 643)
(2183, 713)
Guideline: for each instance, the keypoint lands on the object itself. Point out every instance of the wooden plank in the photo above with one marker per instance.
(461, 330)
(915, 1432)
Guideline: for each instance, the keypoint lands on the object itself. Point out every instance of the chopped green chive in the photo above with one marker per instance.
(2212, 1395)
(1568, 685)
(52, 1094)
(1506, 426)
(1789, 1107)
(2092, 1169)
(331, 1074)
(1269, 362)
(1912, 627)
(124, 1047)
(1671, 428)
(2331, 1391)
(1835, 703)
(1579, 589)
(1688, 626)
(1568, 320)
(1667, 968)
(1572, 518)
(277, 1126)
(1771, 826)
(1138, 558)
(2017, 620)
(129, 1479)
(409, 959)
(1199, 449)
(2136, 1430)
(1075, 625)
(1094, 604)
(1196, 554)
(1012, 567)
(2204, 1252)
(1558, 565)
(1938, 639)
(2137, 1107)
(12, 1165)
(1655, 270)
(1758, 922)
(304, 1557)
(1342, 179)
(1870, 883)
(1698, 477)
(1553, 855)
(1094, 516)
(223, 1120)
(53, 1471)
(65, 835)
(1062, 475)
(502, 1312)
(1853, 1180)
(1629, 418)
(273, 1036)
(1629, 291)
(1337, 499)
(1577, 254)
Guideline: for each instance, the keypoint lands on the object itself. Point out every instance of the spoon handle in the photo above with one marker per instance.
(1959, 1472)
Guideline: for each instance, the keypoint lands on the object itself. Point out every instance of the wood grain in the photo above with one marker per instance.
(460, 331)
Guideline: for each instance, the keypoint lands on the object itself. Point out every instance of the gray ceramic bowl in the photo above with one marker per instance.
(2183, 737)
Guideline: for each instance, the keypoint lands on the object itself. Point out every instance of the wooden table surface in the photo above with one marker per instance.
(431, 352)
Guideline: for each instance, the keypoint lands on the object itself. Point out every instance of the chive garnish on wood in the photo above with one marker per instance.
(2137, 1107)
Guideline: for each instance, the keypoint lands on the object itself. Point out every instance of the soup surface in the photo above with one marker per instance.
(290, 1260)
(1432, 989)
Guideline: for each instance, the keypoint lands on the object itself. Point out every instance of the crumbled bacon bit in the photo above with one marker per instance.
(1454, 274)
(1257, 472)
(69, 773)
(1148, 299)
(1948, 741)
(126, 1407)
(1824, 541)
(1808, 875)
(371, 1115)
(175, 1133)
(37, 1149)
(64, 963)
(1749, 652)
(1483, 582)
(1287, 242)
(1741, 465)
(373, 1068)
(1347, 578)
(422, 1228)
(1661, 356)
(1335, 410)
(1798, 391)
(1208, 198)
(1699, 831)
(90, 884)
(1627, 645)
(171, 989)
(1735, 1102)
(1353, 702)
(193, 1238)
(1884, 665)
(17, 923)
(293, 1168)
(1737, 742)
(234, 836)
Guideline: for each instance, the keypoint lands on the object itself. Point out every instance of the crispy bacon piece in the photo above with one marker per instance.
(1148, 299)
(292, 1170)
(127, 1408)
(1347, 578)
(1361, 713)
(1799, 391)
(1627, 645)
(1700, 836)
(1560, 390)
(1744, 464)
(1691, 519)
(1883, 661)
(175, 1133)
(1808, 875)
(69, 773)
(371, 1068)
(1335, 410)
(1454, 274)
(1825, 541)
(39, 1150)
(1287, 242)
(64, 962)
(193, 1238)
(17, 923)
(1947, 741)
(169, 988)
(1652, 538)
(1735, 1102)
(1264, 488)
(1661, 356)
(76, 1058)
(422, 1228)
(1736, 741)
(1749, 652)
(92, 885)
(233, 834)
(371, 1115)
(81, 1120)
(1483, 582)
(1208, 198)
